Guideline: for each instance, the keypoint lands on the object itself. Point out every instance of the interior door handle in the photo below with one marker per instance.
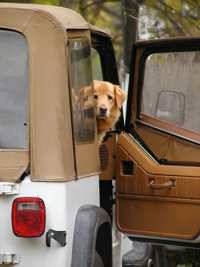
(160, 186)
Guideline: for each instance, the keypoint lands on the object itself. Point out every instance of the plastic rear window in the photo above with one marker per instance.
(14, 62)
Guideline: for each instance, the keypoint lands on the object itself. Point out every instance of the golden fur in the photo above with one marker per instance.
(108, 99)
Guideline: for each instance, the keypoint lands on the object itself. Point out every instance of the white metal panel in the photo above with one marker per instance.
(62, 201)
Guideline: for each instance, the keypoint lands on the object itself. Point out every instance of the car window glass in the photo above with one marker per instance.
(171, 88)
(14, 62)
(96, 65)
(82, 92)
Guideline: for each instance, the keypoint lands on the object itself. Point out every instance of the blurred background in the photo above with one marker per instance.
(155, 19)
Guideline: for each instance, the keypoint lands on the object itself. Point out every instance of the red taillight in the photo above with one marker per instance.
(28, 217)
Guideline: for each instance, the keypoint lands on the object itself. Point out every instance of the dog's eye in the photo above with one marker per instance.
(110, 97)
(95, 96)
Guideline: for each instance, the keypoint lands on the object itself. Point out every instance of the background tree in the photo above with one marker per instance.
(173, 18)
(158, 19)
(101, 13)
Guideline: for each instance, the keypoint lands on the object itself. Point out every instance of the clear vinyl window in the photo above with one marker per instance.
(96, 65)
(14, 77)
(82, 92)
(171, 89)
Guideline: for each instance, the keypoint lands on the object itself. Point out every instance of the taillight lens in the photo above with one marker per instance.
(28, 217)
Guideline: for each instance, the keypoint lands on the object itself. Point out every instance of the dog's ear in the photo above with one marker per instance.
(120, 95)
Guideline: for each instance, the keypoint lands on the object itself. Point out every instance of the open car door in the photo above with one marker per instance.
(158, 157)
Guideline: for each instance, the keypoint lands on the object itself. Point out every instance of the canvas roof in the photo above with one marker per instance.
(51, 145)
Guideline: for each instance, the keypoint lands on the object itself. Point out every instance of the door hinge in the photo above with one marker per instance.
(9, 189)
(9, 258)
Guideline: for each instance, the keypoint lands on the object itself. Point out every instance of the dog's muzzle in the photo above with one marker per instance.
(103, 111)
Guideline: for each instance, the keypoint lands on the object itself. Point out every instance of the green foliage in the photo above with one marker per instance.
(108, 17)
(103, 14)
(47, 2)
(174, 18)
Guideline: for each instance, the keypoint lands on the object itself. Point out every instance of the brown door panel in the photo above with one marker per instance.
(158, 218)
(154, 199)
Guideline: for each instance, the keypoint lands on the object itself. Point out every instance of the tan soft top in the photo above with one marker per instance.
(64, 16)
(51, 145)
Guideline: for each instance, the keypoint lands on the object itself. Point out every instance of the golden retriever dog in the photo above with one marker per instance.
(108, 99)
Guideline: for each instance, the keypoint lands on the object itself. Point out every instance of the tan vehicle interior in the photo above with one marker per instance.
(158, 175)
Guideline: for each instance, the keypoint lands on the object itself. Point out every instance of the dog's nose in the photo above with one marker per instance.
(103, 108)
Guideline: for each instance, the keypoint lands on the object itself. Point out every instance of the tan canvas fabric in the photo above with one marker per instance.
(51, 147)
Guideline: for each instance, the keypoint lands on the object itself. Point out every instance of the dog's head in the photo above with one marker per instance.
(107, 97)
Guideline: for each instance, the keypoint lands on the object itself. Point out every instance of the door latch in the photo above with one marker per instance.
(9, 258)
(9, 189)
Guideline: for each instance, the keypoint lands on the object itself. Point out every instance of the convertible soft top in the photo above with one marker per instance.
(50, 145)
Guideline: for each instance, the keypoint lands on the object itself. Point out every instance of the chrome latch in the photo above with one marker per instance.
(9, 258)
(9, 189)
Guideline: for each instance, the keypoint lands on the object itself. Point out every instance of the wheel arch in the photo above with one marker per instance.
(92, 237)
